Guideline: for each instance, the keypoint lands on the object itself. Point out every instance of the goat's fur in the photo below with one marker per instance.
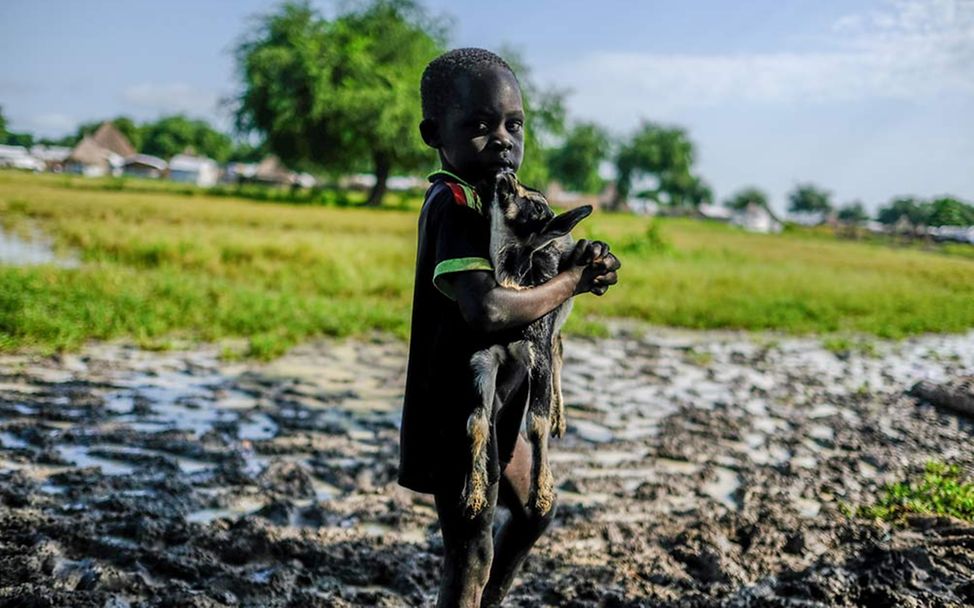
(527, 244)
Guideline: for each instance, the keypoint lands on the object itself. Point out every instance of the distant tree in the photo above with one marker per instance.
(948, 211)
(665, 153)
(746, 196)
(339, 93)
(853, 213)
(173, 135)
(575, 163)
(245, 152)
(913, 209)
(13, 139)
(808, 198)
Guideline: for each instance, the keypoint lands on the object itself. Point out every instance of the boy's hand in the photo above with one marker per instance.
(596, 267)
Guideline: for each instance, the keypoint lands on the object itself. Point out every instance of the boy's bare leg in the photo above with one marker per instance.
(519, 533)
(468, 549)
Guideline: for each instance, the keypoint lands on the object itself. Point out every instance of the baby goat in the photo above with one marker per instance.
(527, 244)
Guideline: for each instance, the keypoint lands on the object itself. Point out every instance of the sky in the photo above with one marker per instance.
(868, 98)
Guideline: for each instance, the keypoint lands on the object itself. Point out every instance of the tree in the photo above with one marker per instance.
(808, 198)
(853, 213)
(575, 163)
(665, 153)
(948, 211)
(341, 93)
(747, 196)
(13, 139)
(915, 210)
(173, 135)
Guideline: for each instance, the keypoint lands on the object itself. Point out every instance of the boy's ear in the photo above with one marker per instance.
(430, 131)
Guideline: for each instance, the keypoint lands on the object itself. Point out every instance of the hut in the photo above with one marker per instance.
(271, 171)
(197, 170)
(109, 137)
(144, 165)
(91, 160)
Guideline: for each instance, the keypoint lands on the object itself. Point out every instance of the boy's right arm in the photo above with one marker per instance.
(489, 307)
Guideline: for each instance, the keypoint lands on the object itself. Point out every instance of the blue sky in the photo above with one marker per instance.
(868, 98)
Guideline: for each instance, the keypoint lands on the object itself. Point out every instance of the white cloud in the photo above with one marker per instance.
(913, 50)
(171, 97)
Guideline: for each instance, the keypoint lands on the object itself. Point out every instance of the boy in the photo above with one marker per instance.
(473, 117)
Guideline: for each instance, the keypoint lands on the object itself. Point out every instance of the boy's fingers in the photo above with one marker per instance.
(609, 278)
(611, 262)
(600, 290)
(579, 253)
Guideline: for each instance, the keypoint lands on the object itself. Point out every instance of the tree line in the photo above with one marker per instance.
(340, 94)
(164, 137)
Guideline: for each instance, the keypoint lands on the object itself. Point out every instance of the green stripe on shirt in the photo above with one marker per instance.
(457, 265)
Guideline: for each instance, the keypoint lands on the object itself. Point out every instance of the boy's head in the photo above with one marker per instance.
(472, 113)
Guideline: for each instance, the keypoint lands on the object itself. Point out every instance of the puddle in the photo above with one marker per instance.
(724, 487)
(17, 251)
(12, 442)
(79, 457)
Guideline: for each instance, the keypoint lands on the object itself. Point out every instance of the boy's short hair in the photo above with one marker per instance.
(439, 78)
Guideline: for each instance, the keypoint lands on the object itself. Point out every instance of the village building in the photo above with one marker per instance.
(101, 153)
(198, 170)
(92, 160)
(144, 165)
(53, 157)
(109, 137)
(17, 157)
(757, 218)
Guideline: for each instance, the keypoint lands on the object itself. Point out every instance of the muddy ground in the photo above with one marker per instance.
(700, 469)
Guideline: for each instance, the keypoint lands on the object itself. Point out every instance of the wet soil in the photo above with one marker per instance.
(700, 469)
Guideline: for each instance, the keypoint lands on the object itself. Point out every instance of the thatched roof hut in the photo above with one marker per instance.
(91, 159)
(109, 137)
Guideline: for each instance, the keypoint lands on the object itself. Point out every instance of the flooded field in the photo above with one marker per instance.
(699, 469)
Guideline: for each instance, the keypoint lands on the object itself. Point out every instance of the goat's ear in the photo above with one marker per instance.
(562, 224)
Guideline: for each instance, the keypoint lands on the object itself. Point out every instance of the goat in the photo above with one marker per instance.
(527, 244)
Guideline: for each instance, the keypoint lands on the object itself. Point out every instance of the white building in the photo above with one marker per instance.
(17, 157)
(756, 218)
(197, 170)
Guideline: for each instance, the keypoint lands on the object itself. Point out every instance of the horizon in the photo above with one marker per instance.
(867, 99)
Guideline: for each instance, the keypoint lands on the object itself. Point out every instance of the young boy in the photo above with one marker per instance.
(473, 117)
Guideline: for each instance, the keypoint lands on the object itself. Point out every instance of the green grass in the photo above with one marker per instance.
(161, 263)
(943, 489)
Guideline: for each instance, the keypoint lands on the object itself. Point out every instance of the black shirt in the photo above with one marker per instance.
(440, 395)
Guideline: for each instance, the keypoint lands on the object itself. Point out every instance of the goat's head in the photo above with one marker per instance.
(526, 214)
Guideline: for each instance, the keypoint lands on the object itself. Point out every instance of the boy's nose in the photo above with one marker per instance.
(502, 141)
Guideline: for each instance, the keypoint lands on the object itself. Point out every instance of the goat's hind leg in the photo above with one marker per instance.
(485, 365)
(539, 427)
(558, 423)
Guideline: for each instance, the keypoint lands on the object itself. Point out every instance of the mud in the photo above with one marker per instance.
(699, 469)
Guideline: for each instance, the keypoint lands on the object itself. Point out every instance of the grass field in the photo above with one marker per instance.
(159, 264)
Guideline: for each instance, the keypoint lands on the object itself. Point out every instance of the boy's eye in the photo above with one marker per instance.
(481, 127)
(514, 126)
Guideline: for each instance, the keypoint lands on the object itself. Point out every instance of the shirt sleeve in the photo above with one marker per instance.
(462, 242)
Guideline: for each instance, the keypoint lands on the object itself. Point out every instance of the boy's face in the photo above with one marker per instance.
(482, 133)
